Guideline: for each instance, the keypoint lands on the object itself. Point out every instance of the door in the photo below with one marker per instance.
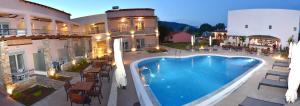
(39, 60)
(140, 43)
(4, 29)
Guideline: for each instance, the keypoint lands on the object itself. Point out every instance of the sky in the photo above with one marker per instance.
(193, 12)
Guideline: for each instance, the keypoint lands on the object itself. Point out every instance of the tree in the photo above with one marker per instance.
(220, 26)
(243, 39)
(205, 27)
(164, 31)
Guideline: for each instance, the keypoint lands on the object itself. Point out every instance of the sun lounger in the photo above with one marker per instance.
(273, 83)
(283, 61)
(215, 48)
(280, 65)
(282, 75)
(257, 102)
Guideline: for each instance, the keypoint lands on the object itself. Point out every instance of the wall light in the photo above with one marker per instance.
(133, 49)
(140, 18)
(10, 89)
(123, 19)
(74, 62)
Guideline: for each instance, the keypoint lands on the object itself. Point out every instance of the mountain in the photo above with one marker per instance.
(177, 27)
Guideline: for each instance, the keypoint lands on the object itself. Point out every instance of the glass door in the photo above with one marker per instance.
(140, 43)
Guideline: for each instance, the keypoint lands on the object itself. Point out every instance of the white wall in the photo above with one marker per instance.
(258, 20)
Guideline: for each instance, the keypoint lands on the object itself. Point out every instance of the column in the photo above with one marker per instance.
(5, 73)
(157, 33)
(53, 27)
(47, 55)
(27, 19)
(69, 29)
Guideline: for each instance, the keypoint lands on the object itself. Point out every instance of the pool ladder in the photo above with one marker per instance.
(178, 52)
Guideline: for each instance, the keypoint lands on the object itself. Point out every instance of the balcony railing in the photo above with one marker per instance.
(96, 32)
(41, 31)
(146, 30)
(5, 32)
(19, 76)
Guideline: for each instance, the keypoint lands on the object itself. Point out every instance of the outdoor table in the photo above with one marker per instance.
(83, 86)
(93, 70)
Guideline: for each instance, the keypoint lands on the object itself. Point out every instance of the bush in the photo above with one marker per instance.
(154, 50)
(216, 42)
(81, 64)
(203, 42)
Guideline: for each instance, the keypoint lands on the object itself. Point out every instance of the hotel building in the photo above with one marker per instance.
(33, 37)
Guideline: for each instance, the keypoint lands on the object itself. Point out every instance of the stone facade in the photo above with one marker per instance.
(5, 73)
(47, 54)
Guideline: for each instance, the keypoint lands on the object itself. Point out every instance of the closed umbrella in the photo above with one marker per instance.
(294, 79)
(290, 50)
(120, 70)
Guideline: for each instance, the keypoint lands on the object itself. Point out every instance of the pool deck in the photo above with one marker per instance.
(128, 96)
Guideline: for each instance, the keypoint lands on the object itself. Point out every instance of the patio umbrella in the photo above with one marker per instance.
(290, 50)
(120, 70)
(294, 79)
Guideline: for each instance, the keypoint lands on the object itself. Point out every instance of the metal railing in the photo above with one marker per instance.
(19, 76)
(146, 30)
(6, 32)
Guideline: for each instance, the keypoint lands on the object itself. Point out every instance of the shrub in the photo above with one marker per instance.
(203, 42)
(80, 65)
(216, 42)
(154, 50)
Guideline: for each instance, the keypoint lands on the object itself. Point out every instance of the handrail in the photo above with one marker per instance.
(4, 32)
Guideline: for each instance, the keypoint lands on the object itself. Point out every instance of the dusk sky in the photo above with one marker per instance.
(193, 12)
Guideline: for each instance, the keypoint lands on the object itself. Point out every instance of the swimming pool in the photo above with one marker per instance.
(180, 81)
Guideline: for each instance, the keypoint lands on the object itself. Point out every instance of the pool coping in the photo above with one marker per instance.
(147, 98)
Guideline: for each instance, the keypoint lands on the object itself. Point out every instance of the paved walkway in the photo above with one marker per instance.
(128, 96)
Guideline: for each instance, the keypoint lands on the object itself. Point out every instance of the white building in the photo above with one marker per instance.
(269, 23)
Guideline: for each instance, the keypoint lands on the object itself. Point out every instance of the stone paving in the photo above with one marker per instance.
(128, 96)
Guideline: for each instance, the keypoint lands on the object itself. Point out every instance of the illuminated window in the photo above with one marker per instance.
(123, 27)
(140, 25)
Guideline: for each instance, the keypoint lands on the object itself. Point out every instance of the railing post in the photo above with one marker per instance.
(53, 27)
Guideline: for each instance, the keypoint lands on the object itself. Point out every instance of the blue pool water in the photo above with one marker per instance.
(178, 81)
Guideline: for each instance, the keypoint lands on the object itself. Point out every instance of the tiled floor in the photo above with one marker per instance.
(128, 96)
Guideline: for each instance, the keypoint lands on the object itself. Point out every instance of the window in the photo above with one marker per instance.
(123, 27)
(16, 63)
(139, 26)
(4, 29)
(295, 28)
(140, 43)
(246, 26)
(270, 26)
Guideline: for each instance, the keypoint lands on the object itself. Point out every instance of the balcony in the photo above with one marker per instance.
(20, 75)
(96, 32)
(5, 32)
(146, 30)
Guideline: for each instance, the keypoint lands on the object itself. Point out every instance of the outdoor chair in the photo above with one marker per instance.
(96, 92)
(67, 87)
(275, 64)
(215, 48)
(79, 99)
(281, 75)
(257, 102)
(273, 83)
(105, 71)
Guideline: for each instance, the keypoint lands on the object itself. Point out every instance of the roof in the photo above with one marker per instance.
(129, 9)
(173, 33)
(45, 6)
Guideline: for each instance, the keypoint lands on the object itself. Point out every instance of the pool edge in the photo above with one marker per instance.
(147, 98)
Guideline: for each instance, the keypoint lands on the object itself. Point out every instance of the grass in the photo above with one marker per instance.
(80, 65)
(182, 46)
(32, 95)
